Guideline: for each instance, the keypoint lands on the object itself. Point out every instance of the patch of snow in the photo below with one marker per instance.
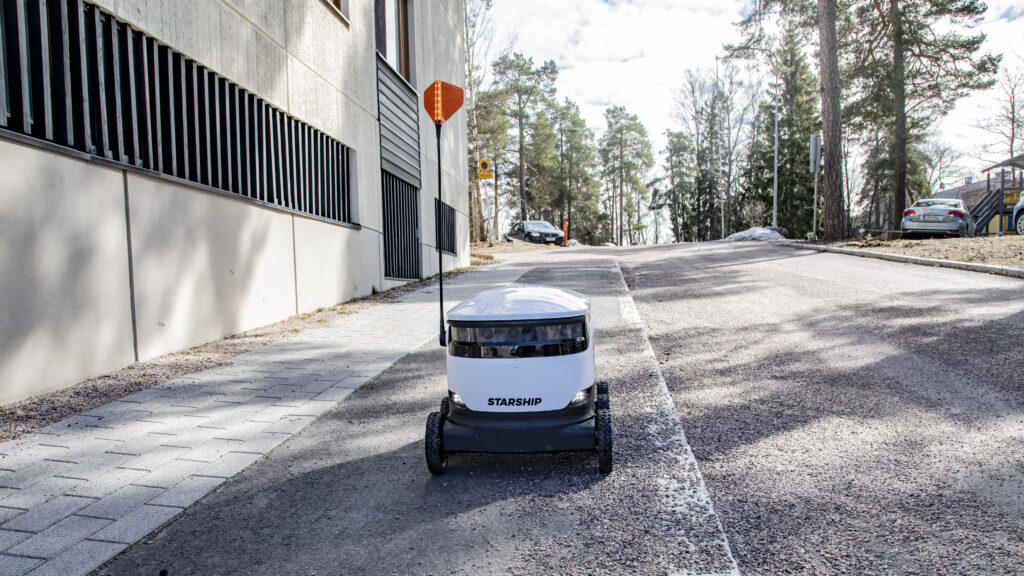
(755, 234)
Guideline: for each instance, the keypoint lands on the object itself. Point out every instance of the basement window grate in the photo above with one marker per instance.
(445, 215)
(74, 76)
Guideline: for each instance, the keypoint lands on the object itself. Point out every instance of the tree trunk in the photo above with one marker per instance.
(622, 169)
(497, 236)
(522, 164)
(899, 96)
(831, 120)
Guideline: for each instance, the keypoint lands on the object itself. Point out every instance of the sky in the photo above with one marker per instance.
(635, 52)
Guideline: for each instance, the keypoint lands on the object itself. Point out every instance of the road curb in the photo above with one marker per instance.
(966, 266)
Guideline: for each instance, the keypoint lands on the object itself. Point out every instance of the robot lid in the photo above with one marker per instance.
(521, 302)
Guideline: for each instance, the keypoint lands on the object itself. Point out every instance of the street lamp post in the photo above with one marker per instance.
(775, 178)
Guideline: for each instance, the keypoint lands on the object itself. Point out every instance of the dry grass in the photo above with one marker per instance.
(999, 251)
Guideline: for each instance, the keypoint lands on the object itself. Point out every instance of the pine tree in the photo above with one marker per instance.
(577, 159)
(678, 182)
(626, 157)
(908, 63)
(526, 89)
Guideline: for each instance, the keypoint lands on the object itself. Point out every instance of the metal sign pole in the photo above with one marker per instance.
(437, 236)
(441, 101)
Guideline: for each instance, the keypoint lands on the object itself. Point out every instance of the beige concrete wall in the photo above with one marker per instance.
(65, 307)
(439, 47)
(333, 263)
(206, 265)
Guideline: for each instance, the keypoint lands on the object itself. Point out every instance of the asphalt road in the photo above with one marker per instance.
(351, 493)
(850, 416)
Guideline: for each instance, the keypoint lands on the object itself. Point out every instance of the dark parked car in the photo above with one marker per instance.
(537, 231)
(937, 217)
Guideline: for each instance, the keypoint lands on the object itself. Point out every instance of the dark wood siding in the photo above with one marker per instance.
(399, 125)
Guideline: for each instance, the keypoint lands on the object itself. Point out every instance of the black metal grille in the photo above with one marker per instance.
(401, 229)
(72, 75)
(445, 216)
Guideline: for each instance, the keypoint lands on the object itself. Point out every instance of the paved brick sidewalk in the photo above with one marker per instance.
(78, 492)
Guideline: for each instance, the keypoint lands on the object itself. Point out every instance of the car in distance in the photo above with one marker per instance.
(1018, 216)
(937, 217)
(538, 232)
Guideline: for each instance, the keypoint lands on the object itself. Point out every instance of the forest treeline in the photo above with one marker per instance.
(902, 65)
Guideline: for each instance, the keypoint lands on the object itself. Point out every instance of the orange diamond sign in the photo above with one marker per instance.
(442, 100)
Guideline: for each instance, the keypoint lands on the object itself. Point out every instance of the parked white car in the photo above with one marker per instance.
(937, 217)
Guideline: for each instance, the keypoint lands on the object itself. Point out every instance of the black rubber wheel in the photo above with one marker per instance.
(602, 388)
(437, 460)
(604, 441)
(1018, 225)
(445, 403)
(602, 402)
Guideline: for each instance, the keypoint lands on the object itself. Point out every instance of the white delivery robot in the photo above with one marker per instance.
(520, 378)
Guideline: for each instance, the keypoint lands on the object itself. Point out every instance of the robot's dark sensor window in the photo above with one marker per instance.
(525, 340)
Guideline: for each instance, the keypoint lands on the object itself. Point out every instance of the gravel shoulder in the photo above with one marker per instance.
(1007, 250)
(851, 416)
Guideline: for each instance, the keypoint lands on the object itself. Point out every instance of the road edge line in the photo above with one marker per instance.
(702, 489)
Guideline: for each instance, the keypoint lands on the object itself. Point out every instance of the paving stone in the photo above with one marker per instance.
(290, 424)
(10, 539)
(129, 429)
(192, 438)
(241, 431)
(95, 466)
(59, 537)
(316, 386)
(229, 464)
(17, 565)
(134, 526)
(270, 415)
(80, 559)
(295, 399)
(262, 443)
(139, 445)
(154, 458)
(107, 483)
(196, 402)
(69, 426)
(40, 492)
(22, 462)
(352, 382)
(41, 517)
(210, 450)
(169, 474)
(121, 502)
(34, 473)
(334, 394)
(8, 513)
(314, 408)
(178, 425)
(188, 491)
(87, 449)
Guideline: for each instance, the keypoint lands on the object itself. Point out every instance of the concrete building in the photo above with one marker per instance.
(175, 172)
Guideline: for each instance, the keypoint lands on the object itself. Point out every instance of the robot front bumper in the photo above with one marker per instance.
(511, 432)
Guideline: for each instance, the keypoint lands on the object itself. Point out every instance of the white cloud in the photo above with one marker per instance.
(630, 53)
(634, 53)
